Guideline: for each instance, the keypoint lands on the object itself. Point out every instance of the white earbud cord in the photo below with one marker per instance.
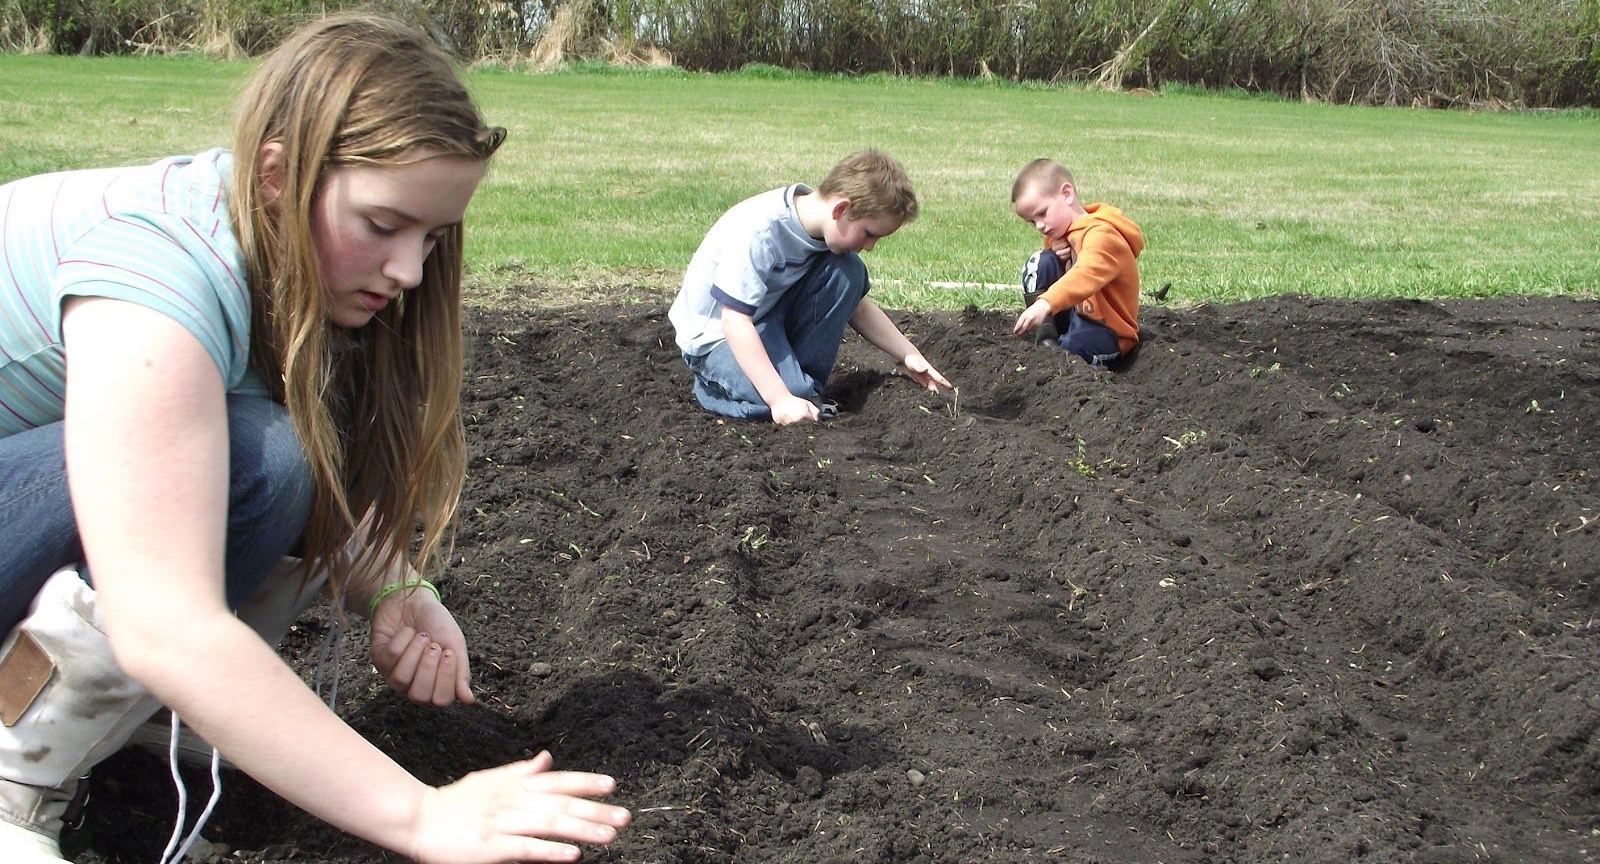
(331, 645)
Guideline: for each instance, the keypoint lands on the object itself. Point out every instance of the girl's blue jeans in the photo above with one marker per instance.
(801, 334)
(269, 500)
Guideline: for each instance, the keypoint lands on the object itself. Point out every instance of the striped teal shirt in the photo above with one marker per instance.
(156, 235)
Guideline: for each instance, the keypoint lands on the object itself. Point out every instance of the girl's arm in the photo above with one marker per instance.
(147, 453)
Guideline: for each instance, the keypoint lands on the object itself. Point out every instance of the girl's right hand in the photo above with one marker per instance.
(418, 648)
(505, 814)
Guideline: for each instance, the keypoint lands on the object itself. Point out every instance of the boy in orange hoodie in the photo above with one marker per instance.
(1082, 289)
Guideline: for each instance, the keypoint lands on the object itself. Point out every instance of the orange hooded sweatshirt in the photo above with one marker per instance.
(1103, 283)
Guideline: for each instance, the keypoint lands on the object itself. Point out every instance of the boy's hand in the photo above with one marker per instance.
(792, 409)
(922, 372)
(1064, 253)
(505, 814)
(1031, 317)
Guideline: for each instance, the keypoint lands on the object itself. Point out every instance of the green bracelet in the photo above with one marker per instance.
(394, 588)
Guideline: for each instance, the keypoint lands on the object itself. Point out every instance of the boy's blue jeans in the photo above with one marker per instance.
(1091, 340)
(269, 500)
(801, 334)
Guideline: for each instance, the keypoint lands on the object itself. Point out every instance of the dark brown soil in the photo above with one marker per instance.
(1310, 581)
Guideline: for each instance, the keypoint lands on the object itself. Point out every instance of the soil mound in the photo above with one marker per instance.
(1306, 581)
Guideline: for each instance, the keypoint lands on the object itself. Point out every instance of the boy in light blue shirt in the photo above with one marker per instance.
(767, 295)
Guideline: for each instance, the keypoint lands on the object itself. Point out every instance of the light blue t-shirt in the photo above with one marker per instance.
(156, 235)
(749, 258)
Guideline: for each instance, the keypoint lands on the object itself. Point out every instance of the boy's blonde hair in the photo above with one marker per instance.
(1040, 173)
(376, 412)
(876, 185)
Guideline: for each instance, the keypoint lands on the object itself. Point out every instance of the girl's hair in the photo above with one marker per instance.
(876, 185)
(377, 411)
(1039, 174)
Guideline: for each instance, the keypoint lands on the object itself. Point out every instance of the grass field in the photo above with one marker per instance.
(610, 178)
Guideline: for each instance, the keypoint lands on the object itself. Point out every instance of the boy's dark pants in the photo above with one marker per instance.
(1091, 340)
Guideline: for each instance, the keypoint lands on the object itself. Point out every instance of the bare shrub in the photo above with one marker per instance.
(1384, 52)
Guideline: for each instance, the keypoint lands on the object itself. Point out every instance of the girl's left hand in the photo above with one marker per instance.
(519, 812)
(419, 649)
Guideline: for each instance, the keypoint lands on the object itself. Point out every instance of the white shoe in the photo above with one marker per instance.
(82, 710)
(85, 708)
(19, 845)
(36, 842)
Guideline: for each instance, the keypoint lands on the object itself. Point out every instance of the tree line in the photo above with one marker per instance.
(1432, 53)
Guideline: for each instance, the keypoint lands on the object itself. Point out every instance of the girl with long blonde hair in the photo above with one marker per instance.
(265, 360)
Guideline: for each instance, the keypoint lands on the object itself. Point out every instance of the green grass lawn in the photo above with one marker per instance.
(610, 178)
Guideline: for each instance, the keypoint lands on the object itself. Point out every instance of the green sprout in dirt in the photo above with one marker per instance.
(1078, 595)
(1185, 440)
(1080, 464)
(753, 541)
(1181, 443)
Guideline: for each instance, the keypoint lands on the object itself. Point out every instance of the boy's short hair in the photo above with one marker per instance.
(1040, 172)
(876, 185)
